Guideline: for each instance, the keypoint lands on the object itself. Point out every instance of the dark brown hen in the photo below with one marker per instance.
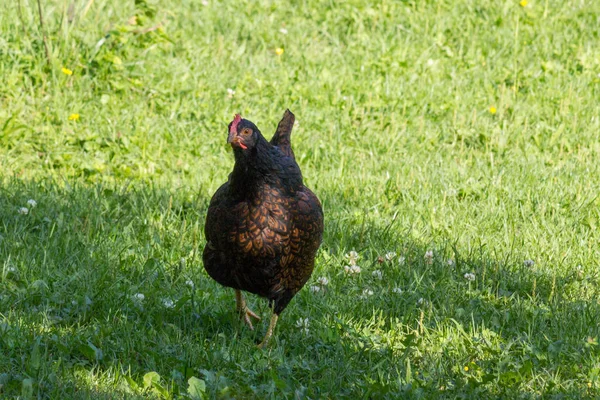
(263, 226)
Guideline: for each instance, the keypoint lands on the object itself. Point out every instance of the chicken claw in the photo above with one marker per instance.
(244, 311)
(272, 324)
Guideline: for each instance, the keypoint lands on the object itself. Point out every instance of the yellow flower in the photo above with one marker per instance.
(523, 3)
(66, 71)
(466, 368)
(492, 110)
(74, 117)
(279, 51)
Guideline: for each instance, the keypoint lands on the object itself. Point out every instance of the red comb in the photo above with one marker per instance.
(234, 123)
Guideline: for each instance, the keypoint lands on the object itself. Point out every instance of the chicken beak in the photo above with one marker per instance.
(235, 141)
(231, 138)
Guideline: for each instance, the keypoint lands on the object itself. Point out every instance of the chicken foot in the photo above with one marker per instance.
(243, 310)
(272, 324)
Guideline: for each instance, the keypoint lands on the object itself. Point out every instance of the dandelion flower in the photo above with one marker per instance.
(389, 256)
(528, 263)
(23, 211)
(230, 93)
(303, 324)
(168, 303)
(523, 3)
(279, 51)
(283, 31)
(323, 281)
(138, 296)
(352, 257)
(429, 257)
(74, 117)
(352, 269)
(492, 110)
(31, 203)
(66, 71)
(315, 289)
(469, 276)
(377, 274)
(466, 368)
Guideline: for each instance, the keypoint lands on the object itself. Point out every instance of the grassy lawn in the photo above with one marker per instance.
(454, 145)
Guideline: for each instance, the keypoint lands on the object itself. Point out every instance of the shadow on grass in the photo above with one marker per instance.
(101, 285)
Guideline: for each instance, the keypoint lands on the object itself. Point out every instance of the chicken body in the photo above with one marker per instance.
(263, 226)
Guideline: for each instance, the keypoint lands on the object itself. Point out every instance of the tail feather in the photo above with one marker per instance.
(281, 138)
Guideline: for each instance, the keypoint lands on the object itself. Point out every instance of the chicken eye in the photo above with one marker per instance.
(246, 131)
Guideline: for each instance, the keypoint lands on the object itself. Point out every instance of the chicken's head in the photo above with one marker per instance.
(243, 134)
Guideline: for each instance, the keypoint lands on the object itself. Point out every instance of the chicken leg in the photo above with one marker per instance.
(272, 324)
(243, 310)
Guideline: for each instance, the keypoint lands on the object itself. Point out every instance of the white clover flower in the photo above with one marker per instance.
(421, 302)
(315, 288)
(367, 292)
(32, 203)
(303, 324)
(450, 263)
(352, 269)
(283, 31)
(352, 257)
(470, 276)
(323, 281)
(138, 296)
(401, 260)
(377, 274)
(230, 93)
(168, 303)
(23, 211)
(429, 257)
(204, 3)
(190, 283)
(389, 256)
(397, 290)
(528, 263)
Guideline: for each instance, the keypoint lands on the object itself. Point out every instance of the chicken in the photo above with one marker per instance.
(263, 226)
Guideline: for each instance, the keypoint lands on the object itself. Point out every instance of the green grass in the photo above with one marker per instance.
(395, 134)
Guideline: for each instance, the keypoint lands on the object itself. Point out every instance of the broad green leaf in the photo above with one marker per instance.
(150, 378)
(196, 388)
(27, 388)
